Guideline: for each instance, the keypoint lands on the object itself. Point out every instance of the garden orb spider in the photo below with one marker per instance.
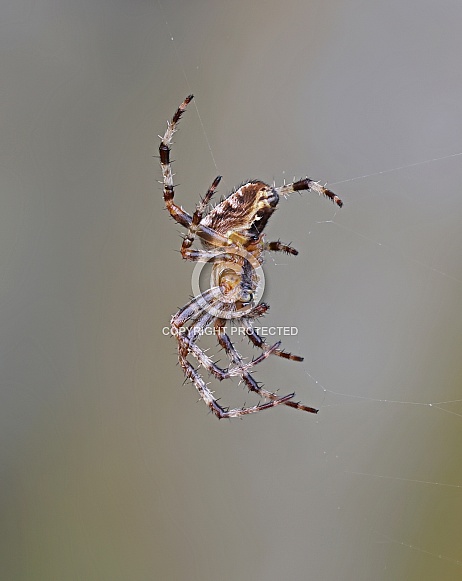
(233, 242)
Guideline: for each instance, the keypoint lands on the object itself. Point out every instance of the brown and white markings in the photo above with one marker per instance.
(232, 240)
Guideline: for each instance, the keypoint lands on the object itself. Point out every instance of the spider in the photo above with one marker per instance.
(232, 238)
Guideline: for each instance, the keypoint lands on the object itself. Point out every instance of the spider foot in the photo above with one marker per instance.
(237, 412)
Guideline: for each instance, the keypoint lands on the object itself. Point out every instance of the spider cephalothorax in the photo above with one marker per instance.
(232, 238)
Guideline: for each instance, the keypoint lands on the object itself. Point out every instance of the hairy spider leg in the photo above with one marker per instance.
(234, 356)
(212, 402)
(309, 184)
(187, 344)
(176, 212)
(197, 217)
(207, 395)
(278, 246)
(261, 343)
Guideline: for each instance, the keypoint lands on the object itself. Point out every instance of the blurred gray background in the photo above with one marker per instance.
(110, 469)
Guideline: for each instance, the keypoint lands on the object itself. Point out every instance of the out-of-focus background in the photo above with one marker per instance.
(110, 469)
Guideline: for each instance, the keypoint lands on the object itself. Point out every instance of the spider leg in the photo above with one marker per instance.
(197, 255)
(250, 382)
(309, 184)
(277, 246)
(209, 301)
(261, 343)
(197, 216)
(195, 306)
(187, 344)
(218, 372)
(258, 311)
(176, 212)
(212, 402)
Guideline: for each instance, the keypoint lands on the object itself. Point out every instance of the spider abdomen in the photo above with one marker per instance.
(245, 211)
